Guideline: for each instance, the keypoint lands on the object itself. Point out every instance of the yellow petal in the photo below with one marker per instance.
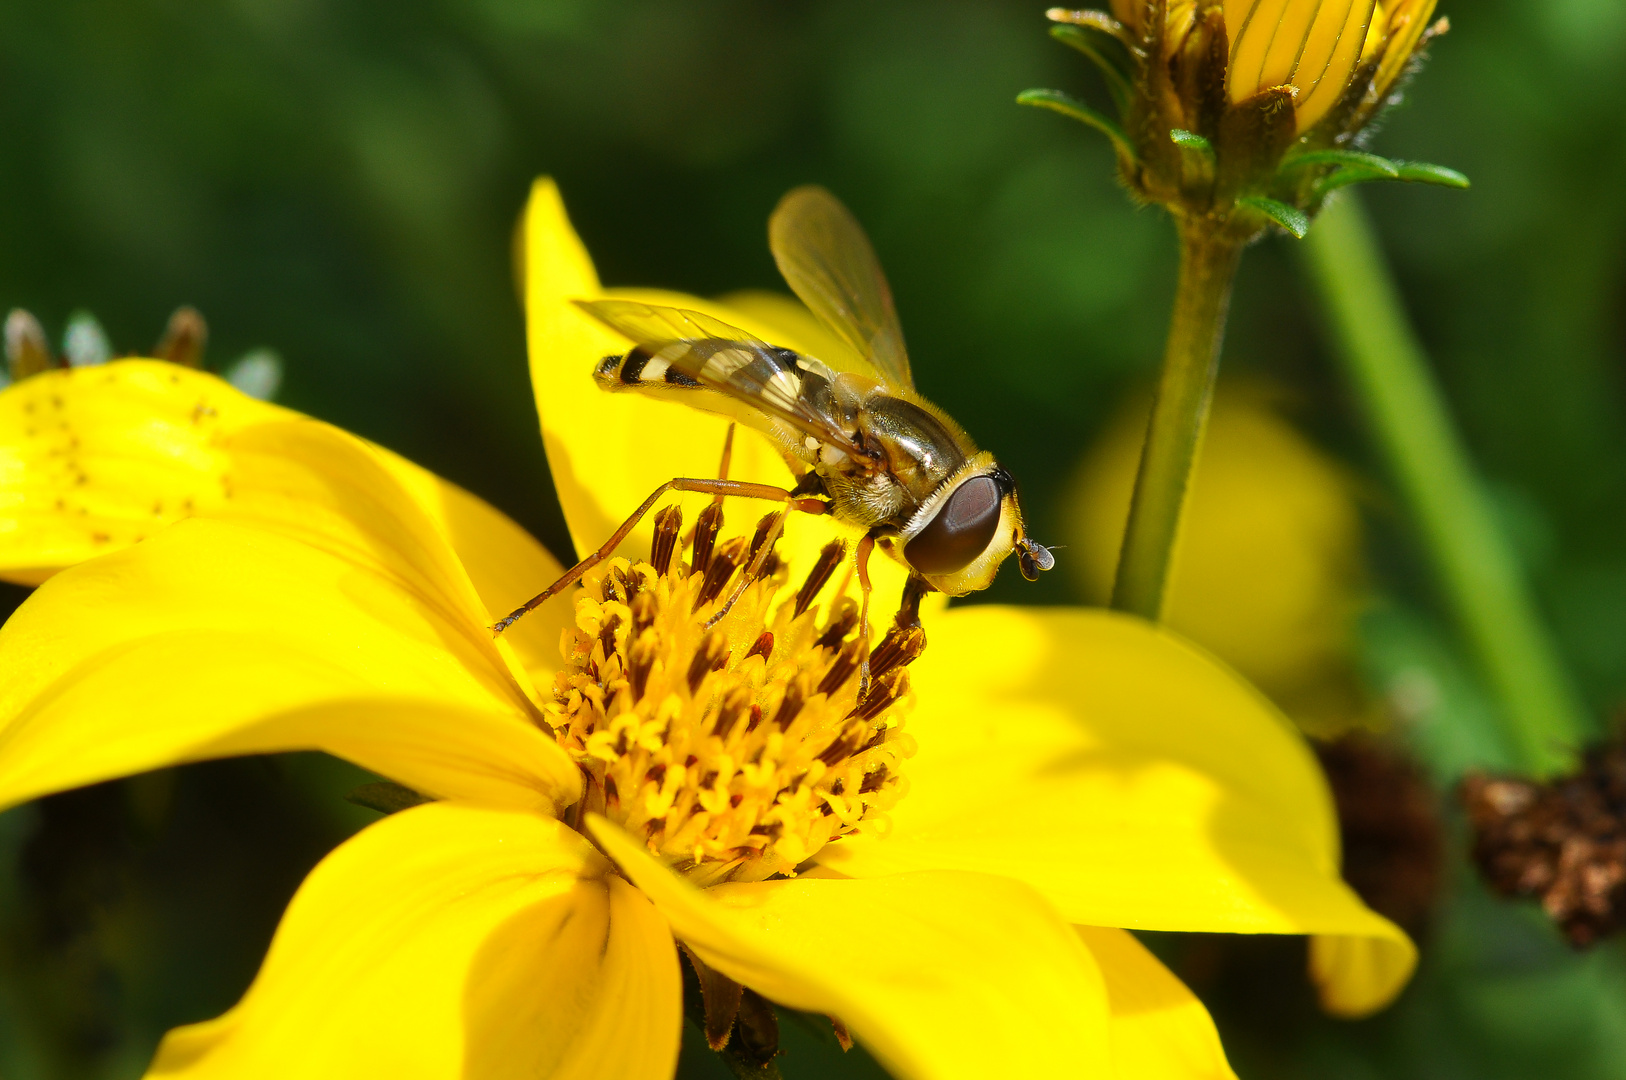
(1404, 30)
(94, 459)
(452, 941)
(940, 975)
(607, 452)
(326, 488)
(214, 638)
(1356, 975)
(1130, 778)
(1159, 1028)
(1312, 45)
(1330, 54)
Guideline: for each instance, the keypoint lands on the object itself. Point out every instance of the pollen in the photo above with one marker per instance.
(733, 739)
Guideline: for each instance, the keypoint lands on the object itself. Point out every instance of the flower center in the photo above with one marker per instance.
(736, 750)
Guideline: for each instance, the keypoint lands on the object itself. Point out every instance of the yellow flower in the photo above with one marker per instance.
(1073, 773)
(1316, 46)
(1267, 572)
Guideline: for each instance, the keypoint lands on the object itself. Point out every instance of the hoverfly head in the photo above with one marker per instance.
(969, 527)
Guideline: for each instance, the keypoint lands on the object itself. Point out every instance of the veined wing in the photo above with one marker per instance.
(723, 358)
(828, 262)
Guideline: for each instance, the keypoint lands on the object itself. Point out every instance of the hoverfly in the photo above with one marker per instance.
(864, 446)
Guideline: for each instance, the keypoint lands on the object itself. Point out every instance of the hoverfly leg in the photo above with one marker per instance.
(861, 561)
(914, 590)
(728, 455)
(719, 488)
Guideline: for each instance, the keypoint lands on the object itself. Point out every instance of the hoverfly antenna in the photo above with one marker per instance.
(1033, 558)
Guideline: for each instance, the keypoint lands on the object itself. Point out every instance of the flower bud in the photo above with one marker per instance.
(1244, 113)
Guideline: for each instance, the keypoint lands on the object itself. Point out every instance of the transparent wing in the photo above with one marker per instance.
(828, 262)
(723, 358)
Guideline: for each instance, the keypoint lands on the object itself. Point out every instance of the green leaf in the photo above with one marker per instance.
(1372, 162)
(1056, 101)
(1420, 172)
(1106, 52)
(1290, 218)
(386, 798)
(1353, 174)
(1413, 171)
(1098, 20)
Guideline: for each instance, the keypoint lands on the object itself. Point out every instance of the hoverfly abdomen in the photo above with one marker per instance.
(638, 369)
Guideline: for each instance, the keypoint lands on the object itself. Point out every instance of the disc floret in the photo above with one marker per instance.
(736, 748)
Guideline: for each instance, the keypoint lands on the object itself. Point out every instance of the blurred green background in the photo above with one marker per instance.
(340, 181)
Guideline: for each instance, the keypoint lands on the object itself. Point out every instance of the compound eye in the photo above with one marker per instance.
(961, 531)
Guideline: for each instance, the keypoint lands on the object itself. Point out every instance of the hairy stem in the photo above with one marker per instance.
(1208, 262)
(1476, 571)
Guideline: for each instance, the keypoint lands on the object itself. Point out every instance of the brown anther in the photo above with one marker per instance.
(736, 705)
(640, 662)
(838, 629)
(900, 648)
(757, 538)
(875, 740)
(644, 609)
(842, 669)
(763, 646)
(789, 707)
(842, 746)
(184, 338)
(668, 525)
(873, 781)
(882, 693)
(828, 560)
(756, 721)
(625, 585)
(705, 537)
(712, 654)
(27, 351)
(612, 794)
(717, 574)
(842, 1035)
(606, 635)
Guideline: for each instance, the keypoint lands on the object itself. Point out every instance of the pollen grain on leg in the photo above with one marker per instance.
(736, 752)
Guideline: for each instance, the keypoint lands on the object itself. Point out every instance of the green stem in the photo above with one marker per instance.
(1477, 572)
(1208, 261)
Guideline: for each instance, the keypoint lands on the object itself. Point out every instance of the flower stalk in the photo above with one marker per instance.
(1477, 572)
(1238, 117)
(1208, 263)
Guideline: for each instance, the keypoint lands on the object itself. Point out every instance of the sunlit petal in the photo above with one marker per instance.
(1127, 776)
(1159, 1028)
(452, 941)
(939, 974)
(94, 459)
(216, 638)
